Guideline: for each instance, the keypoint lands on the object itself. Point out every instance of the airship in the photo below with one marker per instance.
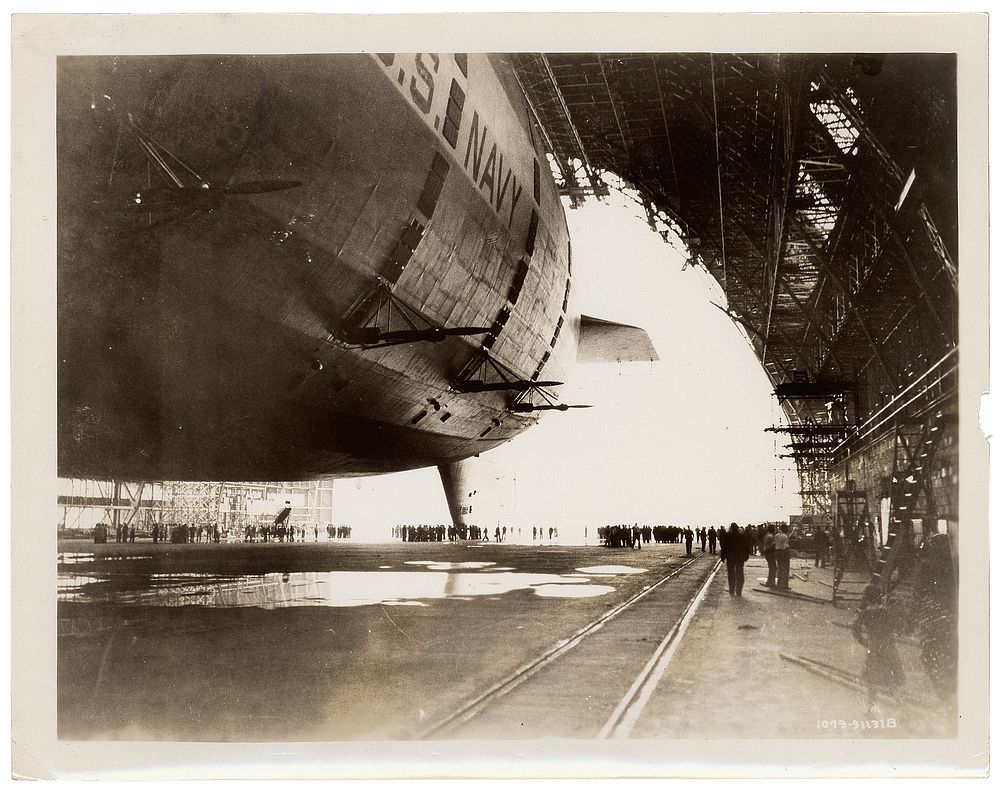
(299, 266)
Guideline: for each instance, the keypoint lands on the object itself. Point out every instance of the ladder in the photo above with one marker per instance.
(910, 497)
(851, 568)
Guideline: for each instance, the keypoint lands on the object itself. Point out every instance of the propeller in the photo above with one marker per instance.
(479, 386)
(368, 336)
(432, 334)
(544, 407)
(204, 196)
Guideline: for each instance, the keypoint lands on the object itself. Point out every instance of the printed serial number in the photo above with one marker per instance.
(856, 725)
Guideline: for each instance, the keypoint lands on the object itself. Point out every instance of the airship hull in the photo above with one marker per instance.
(205, 326)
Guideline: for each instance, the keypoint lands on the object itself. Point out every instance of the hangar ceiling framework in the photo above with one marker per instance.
(819, 191)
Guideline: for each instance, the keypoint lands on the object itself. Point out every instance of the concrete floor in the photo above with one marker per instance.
(342, 641)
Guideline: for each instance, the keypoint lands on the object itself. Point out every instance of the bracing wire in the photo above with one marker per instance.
(718, 173)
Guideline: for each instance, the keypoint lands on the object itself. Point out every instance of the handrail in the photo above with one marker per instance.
(861, 432)
(859, 435)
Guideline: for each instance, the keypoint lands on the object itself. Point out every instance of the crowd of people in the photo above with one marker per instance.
(737, 544)
(437, 532)
(171, 533)
(185, 533)
(629, 536)
(634, 536)
(281, 533)
(500, 533)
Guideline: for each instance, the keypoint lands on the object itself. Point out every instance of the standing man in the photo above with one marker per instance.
(711, 540)
(735, 553)
(820, 542)
(688, 539)
(772, 566)
(781, 556)
(704, 538)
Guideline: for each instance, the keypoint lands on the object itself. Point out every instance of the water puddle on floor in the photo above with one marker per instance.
(70, 587)
(72, 558)
(434, 580)
(76, 558)
(611, 570)
(572, 591)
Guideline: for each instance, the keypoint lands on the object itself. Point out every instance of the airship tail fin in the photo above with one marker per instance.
(610, 342)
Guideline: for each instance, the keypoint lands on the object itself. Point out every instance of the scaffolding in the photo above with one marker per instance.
(820, 192)
(84, 504)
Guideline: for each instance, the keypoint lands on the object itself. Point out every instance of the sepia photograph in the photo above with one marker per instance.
(574, 395)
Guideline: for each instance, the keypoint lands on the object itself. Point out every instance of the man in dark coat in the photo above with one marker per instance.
(688, 539)
(711, 540)
(782, 556)
(772, 564)
(735, 552)
(820, 543)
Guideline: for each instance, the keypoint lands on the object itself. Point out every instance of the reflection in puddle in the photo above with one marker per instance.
(73, 558)
(68, 558)
(70, 587)
(323, 589)
(444, 565)
(611, 570)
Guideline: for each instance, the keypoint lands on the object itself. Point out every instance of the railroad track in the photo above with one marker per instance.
(626, 713)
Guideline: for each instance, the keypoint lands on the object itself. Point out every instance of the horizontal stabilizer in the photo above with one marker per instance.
(609, 342)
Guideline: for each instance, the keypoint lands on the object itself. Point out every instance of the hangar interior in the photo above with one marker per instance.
(820, 192)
